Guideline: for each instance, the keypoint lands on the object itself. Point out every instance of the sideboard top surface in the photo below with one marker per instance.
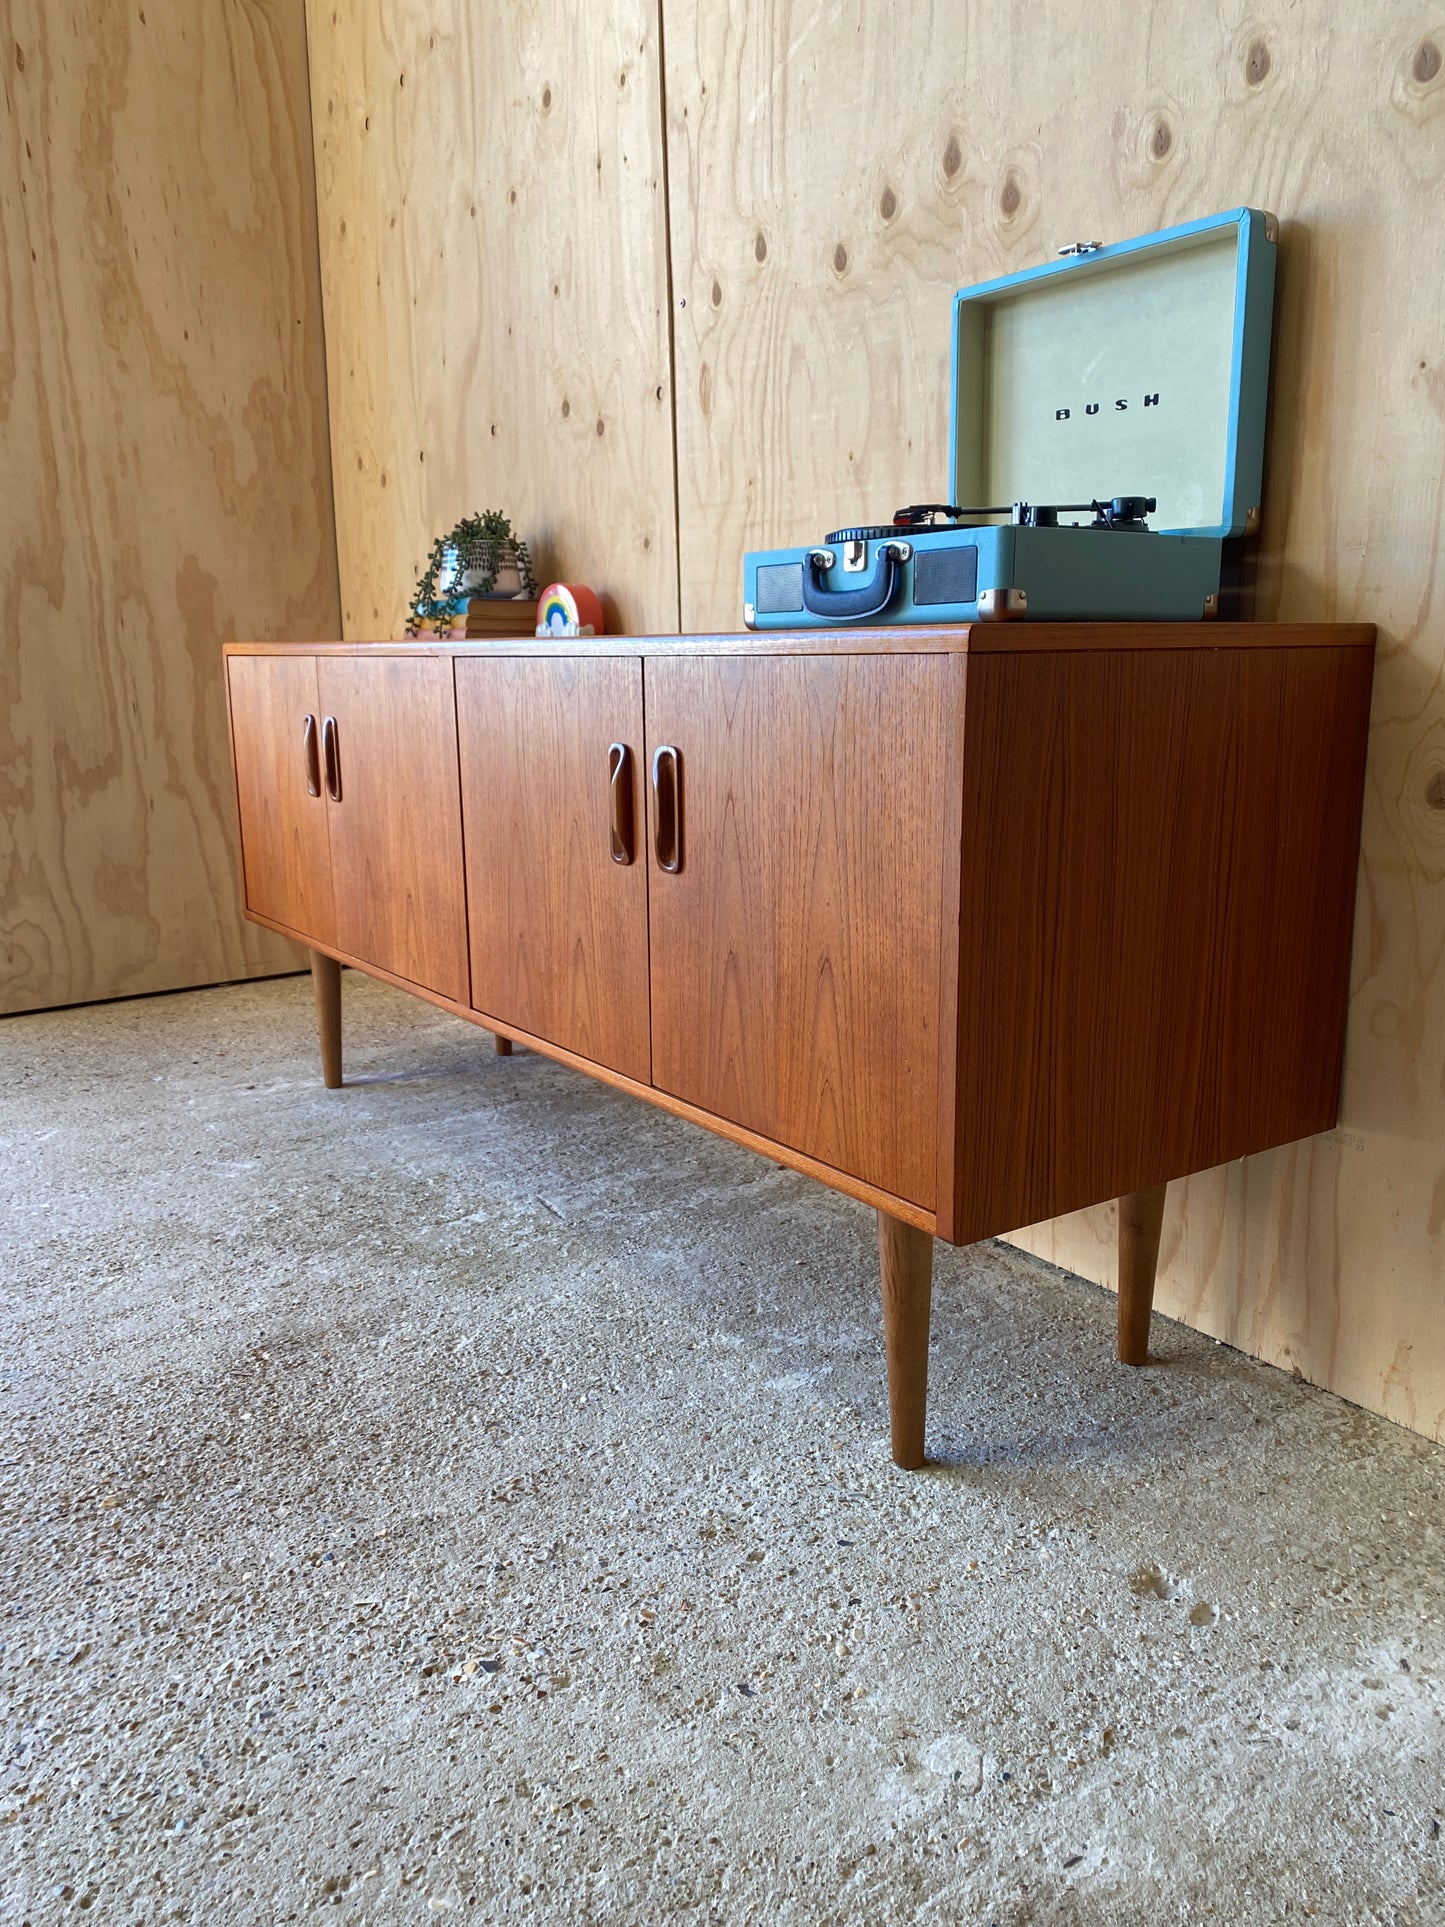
(977, 638)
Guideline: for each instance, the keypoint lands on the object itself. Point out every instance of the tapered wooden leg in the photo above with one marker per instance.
(326, 977)
(905, 1260)
(504, 1045)
(1141, 1215)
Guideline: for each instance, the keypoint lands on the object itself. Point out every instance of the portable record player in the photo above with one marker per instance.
(1107, 437)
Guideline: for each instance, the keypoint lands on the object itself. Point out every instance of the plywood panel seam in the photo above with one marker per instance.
(333, 527)
(659, 9)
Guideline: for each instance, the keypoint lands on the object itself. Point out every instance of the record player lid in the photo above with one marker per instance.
(1140, 367)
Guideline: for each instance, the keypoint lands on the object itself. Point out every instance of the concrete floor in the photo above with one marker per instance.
(469, 1492)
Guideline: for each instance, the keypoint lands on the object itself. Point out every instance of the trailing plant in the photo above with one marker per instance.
(482, 543)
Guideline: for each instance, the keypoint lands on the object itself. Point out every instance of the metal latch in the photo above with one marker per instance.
(855, 557)
(1081, 247)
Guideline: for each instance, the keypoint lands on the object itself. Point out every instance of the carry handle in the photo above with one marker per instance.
(312, 753)
(331, 752)
(667, 809)
(870, 598)
(619, 776)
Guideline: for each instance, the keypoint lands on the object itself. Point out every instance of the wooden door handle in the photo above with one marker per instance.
(619, 776)
(667, 808)
(312, 754)
(331, 751)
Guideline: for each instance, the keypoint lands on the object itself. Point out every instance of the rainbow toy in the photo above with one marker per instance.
(569, 609)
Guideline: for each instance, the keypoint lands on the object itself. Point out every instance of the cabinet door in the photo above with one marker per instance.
(796, 949)
(558, 924)
(396, 820)
(285, 850)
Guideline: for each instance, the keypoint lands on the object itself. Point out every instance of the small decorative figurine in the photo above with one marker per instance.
(569, 609)
(480, 558)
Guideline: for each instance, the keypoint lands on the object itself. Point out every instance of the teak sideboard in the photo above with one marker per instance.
(978, 925)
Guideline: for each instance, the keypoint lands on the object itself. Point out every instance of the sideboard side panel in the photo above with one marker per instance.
(1159, 871)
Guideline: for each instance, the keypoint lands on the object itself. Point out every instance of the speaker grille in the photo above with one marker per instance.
(780, 588)
(945, 575)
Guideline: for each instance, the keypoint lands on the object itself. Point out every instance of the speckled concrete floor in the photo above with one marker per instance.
(468, 1492)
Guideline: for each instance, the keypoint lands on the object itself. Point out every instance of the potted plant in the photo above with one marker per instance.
(479, 557)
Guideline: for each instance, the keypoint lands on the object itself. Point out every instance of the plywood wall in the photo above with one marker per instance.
(491, 200)
(166, 478)
(836, 170)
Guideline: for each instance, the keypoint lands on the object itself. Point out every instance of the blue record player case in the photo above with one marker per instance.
(1111, 379)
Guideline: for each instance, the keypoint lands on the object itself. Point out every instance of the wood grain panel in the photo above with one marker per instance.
(558, 928)
(396, 832)
(1158, 886)
(164, 471)
(493, 253)
(835, 173)
(285, 845)
(795, 957)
